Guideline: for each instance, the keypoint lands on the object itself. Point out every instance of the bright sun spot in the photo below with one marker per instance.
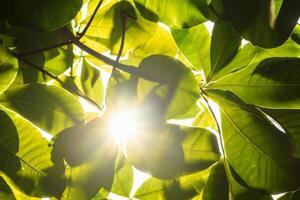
(123, 125)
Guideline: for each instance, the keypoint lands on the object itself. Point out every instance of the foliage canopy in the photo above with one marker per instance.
(218, 114)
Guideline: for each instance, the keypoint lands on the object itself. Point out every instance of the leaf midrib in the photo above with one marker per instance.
(21, 159)
(249, 140)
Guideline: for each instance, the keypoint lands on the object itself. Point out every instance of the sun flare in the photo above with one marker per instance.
(123, 125)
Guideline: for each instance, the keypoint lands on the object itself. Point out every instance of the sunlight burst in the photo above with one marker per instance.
(123, 125)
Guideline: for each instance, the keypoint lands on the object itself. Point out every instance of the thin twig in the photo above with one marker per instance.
(80, 35)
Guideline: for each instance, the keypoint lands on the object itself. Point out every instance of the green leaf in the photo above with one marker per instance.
(161, 42)
(244, 57)
(225, 43)
(105, 32)
(76, 144)
(55, 60)
(204, 185)
(200, 148)
(16, 194)
(274, 83)
(90, 82)
(296, 34)
(189, 149)
(250, 56)
(239, 189)
(264, 23)
(5, 191)
(291, 196)
(253, 145)
(43, 16)
(216, 186)
(289, 121)
(178, 13)
(25, 154)
(91, 153)
(194, 43)
(124, 177)
(43, 105)
(175, 90)
(8, 69)
(157, 146)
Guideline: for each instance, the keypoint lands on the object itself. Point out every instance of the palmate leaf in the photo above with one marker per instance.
(174, 87)
(194, 43)
(42, 16)
(264, 23)
(43, 105)
(25, 155)
(274, 83)
(8, 69)
(259, 153)
(224, 45)
(179, 13)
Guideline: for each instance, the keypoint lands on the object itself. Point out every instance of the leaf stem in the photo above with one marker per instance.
(123, 28)
(215, 118)
(80, 35)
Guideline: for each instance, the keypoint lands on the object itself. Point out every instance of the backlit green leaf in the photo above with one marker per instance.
(274, 83)
(8, 69)
(253, 145)
(25, 155)
(42, 104)
(194, 43)
(175, 89)
(179, 13)
(224, 44)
